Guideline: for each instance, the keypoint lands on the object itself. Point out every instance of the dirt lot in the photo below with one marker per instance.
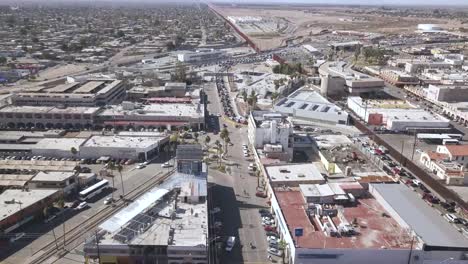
(307, 21)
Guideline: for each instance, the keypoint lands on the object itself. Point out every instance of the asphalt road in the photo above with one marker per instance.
(234, 193)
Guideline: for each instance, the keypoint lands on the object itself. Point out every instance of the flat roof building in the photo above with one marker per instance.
(168, 224)
(91, 92)
(64, 181)
(130, 147)
(21, 206)
(309, 105)
(396, 115)
(294, 174)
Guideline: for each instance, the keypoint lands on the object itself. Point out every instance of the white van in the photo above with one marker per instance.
(230, 242)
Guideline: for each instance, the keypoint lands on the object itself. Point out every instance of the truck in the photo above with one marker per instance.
(230, 242)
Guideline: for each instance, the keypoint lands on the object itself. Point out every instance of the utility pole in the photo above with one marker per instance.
(414, 146)
(401, 154)
(97, 246)
(55, 238)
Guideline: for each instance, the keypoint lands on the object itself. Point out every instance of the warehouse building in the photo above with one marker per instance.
(201, 55)
(130, 147)
(447, 93)
(308, 105)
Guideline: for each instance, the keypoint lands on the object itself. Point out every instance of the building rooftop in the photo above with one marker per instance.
(422, 219)
(458, 150)
(189, 152)
(194, 110)
(53, 176)
(39, 165)
(122, 142)
(48, 109)
(374, 230)
(13, 201)
(294, 173)
(63, 144)
(304, 100)
(17, 180)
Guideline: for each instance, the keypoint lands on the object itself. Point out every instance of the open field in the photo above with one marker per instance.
(307, 21)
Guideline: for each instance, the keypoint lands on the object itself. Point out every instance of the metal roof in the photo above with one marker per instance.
(433, 229)
(128, 213)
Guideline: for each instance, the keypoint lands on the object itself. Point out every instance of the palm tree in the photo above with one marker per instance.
(244, 96)
(224, 135)
(111, 167)
(257, 174)
(173, 140)
(252, 100)
(282, 246)
(218, 149)
(61, 204)
(73, 151)
(119, 169)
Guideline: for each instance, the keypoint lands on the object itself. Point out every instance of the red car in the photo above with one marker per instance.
(261, 194)
(269, 228)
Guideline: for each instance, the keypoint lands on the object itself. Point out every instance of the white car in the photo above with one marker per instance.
(108, 200)
(272, 238)
(82, 205)
(275, 252)
(166, 165)
(140, 166)
(246, 154)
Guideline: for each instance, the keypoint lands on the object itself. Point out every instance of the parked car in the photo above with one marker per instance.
(82, 205)
(269, 228)
(166, 165)
(275, 252)
(140, 166)
(261, 194)
(108, 200)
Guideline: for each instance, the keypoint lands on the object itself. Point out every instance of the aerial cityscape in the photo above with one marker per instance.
(218, 132)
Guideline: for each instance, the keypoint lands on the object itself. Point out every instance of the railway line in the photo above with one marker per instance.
(75, 234)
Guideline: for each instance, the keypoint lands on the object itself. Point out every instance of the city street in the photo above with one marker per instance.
(234, 193)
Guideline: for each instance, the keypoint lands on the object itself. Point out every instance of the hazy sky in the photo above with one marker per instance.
(363, 2)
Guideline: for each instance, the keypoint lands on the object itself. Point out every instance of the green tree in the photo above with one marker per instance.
(180, 72)
(252, 100)
(196, 135)
(23, 31)
(274, 96)
(207, 140)
(224, 135)
(61, 204)
(282, 245)
(218, 147)
(173, 141)
(120, 34)
(111, 168)
(73, 151)
(244, 96)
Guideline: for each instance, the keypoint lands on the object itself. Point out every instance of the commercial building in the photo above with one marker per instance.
(168, 224)
(399, 78)
(388, 224)
(118, 146)
(47, 117)
(272, 132)
(201, 55)
(305, 104)
(339, 79)
(189, 159)
(414, 66)
(91, 92)
(168, 90)
(447, 93)
(64, 181)
(293, 174)
(165, 116)
(450, 172)
(22, 206)
(396, 115)
(457, 153)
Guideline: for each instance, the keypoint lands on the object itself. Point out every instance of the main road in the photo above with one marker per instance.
(234, 193)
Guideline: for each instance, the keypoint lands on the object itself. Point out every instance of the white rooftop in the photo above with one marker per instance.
(48, 109)
(122, 142)
(53, 176)
(179, 110)
(12, 201)
(59, 143)
(294, 172)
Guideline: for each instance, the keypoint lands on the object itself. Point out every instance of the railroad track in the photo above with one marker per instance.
(76, 233)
